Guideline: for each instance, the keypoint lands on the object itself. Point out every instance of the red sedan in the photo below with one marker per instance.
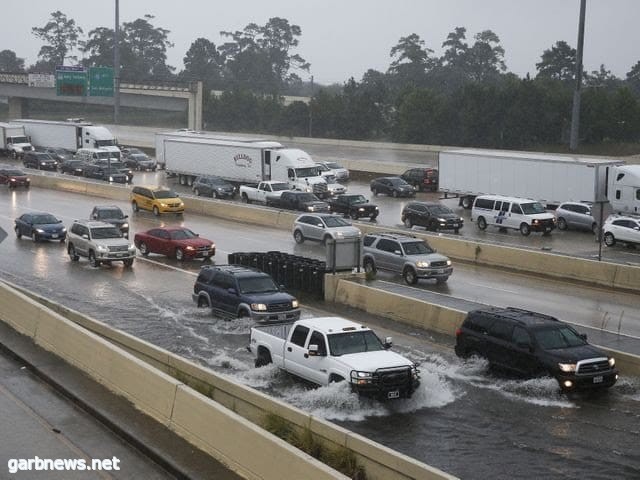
(177, 242)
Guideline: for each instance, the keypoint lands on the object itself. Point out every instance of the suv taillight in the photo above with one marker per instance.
(458, 332)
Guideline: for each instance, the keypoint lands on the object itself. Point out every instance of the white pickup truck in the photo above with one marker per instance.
(265, 192)
(333, 349)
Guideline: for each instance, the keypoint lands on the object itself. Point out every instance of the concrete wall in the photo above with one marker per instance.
(349, 289)
(192, 415)
(612, 275)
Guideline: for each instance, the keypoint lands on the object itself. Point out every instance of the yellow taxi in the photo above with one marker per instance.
(156, 199)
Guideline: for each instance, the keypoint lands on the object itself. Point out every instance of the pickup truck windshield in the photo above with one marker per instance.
(554, 338)
(257, 285)
(354, 342)
(100, 233)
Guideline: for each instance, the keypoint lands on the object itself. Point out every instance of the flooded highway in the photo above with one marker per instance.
(463, 419)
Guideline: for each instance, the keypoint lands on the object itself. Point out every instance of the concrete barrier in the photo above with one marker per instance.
(197, 416)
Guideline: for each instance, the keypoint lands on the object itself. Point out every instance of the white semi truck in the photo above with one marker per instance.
(188, 154)
(13, 140)
(548, 178)
(71, 135)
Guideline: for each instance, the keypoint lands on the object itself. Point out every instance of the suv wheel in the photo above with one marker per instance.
(156, 211)
(482, 223)
(179, 254)
(407, 222)
(214, 193)
(525, 229)
(203, 302)
(562, 224)
(410, 276)
(355, 215)
(128, 262)
(298, 237)
(394, 194)
(467, 203)
(440, 281)
(18, 234)
(93, 261)
(243, 313)
(374, 191)
(326, 239)
(72, 253)
(34, 236)
(196, 191)
(369, 266)
(609, 239)
(134, 206)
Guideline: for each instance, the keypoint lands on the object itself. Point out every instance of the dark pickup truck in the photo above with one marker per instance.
(354, 206)
(301, 201)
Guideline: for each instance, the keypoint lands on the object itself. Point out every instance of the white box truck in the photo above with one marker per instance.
(13, 140)
(188, 155)
(71, 135)
(549, 178)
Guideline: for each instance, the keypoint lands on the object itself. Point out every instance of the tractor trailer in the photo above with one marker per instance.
(13, 140)
(242, 161)
(548, 178)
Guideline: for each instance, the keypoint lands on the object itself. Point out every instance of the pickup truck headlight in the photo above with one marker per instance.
(567, 367)
(448, 263)
(294, 304)
(415, 373)
(422, 264)
(361, 209)
(311, 209)
(612, 362)
(102, 249)
(259, 307)
(361, 378)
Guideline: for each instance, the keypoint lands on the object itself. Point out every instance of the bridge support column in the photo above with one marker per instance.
(18, 108)
(195, 107)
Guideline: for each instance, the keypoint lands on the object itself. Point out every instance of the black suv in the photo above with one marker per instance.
(39, 160)
(531, 344)
(301, 201)
(354, 206)
(113, 215)
(432, 216)
(394, 186)
(422, 178)
(237, 291)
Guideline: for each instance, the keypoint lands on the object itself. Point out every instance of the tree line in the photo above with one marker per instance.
(464, 97)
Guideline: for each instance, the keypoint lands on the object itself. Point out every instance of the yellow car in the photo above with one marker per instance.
(156, 199)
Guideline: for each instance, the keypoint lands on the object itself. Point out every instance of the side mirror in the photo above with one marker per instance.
(126, 216)
(583, 336)
(313, 350)
(319, 225)
(232, 291)
(85, 236)
(95, 216)
(388, 343)
(397, 252)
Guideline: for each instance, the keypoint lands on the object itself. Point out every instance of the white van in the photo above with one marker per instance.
(521, 214)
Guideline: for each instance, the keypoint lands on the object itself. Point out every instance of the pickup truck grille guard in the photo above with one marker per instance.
(392, 377)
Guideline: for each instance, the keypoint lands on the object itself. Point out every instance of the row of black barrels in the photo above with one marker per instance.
(293, 271)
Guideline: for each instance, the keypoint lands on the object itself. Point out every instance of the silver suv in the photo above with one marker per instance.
(100, 242)
(575, 215)
(404, 254)
(322, 227)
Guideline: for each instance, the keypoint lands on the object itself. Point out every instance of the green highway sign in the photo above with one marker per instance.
(71, 82)
(100, 82)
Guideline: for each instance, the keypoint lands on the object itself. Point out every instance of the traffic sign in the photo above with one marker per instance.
(71, 81)
(101, 82)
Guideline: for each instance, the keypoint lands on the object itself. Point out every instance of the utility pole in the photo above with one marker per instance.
(575, 113)
(310, 112)
(116, 66)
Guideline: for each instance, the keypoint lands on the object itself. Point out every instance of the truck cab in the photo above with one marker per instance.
(298, 169)
(624, 189)
(13, 140)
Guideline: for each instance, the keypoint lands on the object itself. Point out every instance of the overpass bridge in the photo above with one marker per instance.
(171, 96)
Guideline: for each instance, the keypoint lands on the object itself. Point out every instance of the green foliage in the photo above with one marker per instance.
(339, 459)
(61, 36)
(558, 63)
(9, 62)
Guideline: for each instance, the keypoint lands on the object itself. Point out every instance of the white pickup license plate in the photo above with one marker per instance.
(598, 379)
(393, 394)
(54, 235)
(441, 270)
(119, 255)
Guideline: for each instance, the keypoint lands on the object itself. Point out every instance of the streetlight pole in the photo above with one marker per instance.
(310, 113)
(116, 66)
(575, 113)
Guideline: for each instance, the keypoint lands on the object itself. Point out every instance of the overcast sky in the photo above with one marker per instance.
(344, 38)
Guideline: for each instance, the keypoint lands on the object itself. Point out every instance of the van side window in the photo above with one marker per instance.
(618, 195)
(638, 194)
(505, 207)
(484, 203)
(498, 205)
(300, 335)
(515, 208)
(480, 323)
